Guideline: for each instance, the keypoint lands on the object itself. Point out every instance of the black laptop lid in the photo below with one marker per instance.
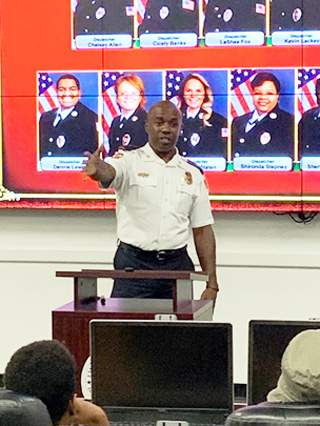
(178, 365)
(267, 342)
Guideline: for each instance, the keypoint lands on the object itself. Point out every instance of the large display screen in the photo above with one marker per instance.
(78, 74)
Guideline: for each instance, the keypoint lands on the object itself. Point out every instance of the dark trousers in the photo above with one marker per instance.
(128, 256)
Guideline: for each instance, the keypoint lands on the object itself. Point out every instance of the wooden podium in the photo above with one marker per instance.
(70, 323)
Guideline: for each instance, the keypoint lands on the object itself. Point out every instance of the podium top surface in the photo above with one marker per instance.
(135, 274)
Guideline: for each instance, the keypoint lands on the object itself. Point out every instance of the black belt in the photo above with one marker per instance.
(155, 254)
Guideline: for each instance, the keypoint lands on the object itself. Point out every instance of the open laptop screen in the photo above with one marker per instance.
(267, 342)
(180, 365)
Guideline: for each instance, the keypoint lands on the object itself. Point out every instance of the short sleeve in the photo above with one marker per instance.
(201, 214)
(121, 166)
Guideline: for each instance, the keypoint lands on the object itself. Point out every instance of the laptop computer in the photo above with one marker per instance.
(267, 342)
(147, 371)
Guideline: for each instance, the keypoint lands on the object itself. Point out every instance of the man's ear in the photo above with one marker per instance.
(68, 417)
(72, 405)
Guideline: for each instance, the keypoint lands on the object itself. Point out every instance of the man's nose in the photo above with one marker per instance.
(166, 128)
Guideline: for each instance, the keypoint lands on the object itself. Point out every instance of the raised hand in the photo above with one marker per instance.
(94, 165)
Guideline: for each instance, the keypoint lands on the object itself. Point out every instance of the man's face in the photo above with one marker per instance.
(68, 93)
(265, 97)
(163, 127)
(128, 97)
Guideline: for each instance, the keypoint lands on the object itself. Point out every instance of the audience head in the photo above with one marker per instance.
(300, 370)
(45, 370)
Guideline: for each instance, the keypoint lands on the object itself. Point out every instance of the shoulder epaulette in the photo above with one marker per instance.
(195, 165)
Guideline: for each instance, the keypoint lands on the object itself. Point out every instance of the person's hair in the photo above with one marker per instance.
(262, 77)
(136, 82)
(208, 96)
(69, 77)
(46, 370)
(318, 91)
(162, 104)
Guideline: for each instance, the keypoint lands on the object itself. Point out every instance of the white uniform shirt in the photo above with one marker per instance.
(158, 202)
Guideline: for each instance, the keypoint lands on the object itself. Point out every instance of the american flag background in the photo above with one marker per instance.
(173, 81)
(203, 14)
(110, 109)
(307, 80)
(241, 92)
(74, 4)
(141, 6)
(48, 98)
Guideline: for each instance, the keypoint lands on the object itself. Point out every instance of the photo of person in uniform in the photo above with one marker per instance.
(103, 17)
(70, 129)
(267, 131)
(204, 131)
(235, 15)
(170, 16)
(294, 15)
(309, 129)
(128, 129)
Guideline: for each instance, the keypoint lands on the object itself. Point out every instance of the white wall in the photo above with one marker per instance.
(268, 268)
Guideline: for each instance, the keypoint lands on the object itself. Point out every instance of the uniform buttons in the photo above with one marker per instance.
(118, 138)
(88, 17)
(50, 139)
(49, 153)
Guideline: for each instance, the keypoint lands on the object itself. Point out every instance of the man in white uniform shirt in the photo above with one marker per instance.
(160, 196)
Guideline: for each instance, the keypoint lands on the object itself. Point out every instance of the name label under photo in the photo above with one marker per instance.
(292, 38)
(210, 164)
(103, 41)
(69, 164)
(245, 38)
(263, 164)
(310, 164)
(169, 40)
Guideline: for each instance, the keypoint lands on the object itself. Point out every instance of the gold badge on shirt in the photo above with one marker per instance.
(188, 178)
(143, 175)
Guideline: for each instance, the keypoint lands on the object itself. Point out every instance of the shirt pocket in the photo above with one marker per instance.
(143, 188)
(185, 197)
(143, 179)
